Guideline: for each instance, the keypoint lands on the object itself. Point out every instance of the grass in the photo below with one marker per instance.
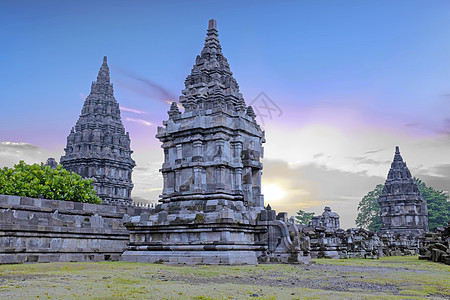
(386, 278)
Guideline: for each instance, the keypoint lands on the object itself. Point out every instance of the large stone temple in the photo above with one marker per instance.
(211, 209)
(98, 146)
(403, 208)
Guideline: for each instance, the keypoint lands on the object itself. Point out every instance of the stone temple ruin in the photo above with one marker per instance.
(98, 147)
(327, 219)
(328, 240)
(211, 209)
(403, 208)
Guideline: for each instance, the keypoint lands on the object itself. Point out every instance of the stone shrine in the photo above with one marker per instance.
(98, 147)
(327, 219)
(211, 209)
(403, 208)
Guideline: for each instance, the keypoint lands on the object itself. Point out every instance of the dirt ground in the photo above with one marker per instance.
(386, 278)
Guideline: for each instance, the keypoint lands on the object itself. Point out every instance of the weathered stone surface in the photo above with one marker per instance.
(327, 219)
(212, 209)
(436, 245)
(40, 230)
(403, 208)
(98, 147)
(52, 163)
(327, 240)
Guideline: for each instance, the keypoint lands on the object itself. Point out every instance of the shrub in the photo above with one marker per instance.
(39, 181)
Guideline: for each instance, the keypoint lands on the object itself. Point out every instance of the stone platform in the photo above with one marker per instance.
(192, 257)
(41, 230)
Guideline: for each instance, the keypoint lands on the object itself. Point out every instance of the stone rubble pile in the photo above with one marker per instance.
(327, 240)
(436, 245)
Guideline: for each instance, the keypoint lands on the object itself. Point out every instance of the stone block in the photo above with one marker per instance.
(435, 255)
(440, 246)
(267, 215)
(447, 260)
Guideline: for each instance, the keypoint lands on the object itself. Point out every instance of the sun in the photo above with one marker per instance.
(273, 192)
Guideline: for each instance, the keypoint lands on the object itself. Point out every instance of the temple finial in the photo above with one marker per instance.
(103, 73)
(397, 150)
(212, 24)
(212, 34)
(174, 111)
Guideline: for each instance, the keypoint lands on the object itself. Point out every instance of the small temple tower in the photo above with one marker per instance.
(328, 219)
(98, 147)
(403, 208)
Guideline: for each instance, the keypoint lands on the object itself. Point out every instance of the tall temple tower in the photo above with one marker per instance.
(211, 209)
(98, 147)
(403, 208)
(213, 149)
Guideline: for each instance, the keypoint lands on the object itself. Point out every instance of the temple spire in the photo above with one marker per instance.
(211, 84)
(212, 40)
(212, 24)
(98, 147)
(403, 208)
(397, 155)
(103, 73)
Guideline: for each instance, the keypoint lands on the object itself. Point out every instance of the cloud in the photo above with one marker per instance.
(374, 151)
(445, 128)
(157, 90)
(132, 110)
(369, 161)
(12, 152)
(318, 164)
(358, 150)
(147, 179)
(436, 177)
(139, 121)
(311, 187)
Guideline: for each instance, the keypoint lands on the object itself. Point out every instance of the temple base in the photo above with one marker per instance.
(192, 257)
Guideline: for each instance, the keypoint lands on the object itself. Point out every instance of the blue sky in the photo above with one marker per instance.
(351, 77)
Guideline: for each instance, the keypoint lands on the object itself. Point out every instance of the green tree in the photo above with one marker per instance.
(438, 205)
(42, 181)
(437, 202)
(303, 217)
(369, 210)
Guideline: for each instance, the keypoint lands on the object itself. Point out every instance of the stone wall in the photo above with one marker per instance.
(40, 230)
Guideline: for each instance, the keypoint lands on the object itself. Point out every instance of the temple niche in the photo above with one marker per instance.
(211, 208)
(403, 208)
(98, 146)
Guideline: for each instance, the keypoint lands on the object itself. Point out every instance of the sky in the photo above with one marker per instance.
(346, 82)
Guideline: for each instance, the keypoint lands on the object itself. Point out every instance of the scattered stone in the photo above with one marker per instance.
(435, 246)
